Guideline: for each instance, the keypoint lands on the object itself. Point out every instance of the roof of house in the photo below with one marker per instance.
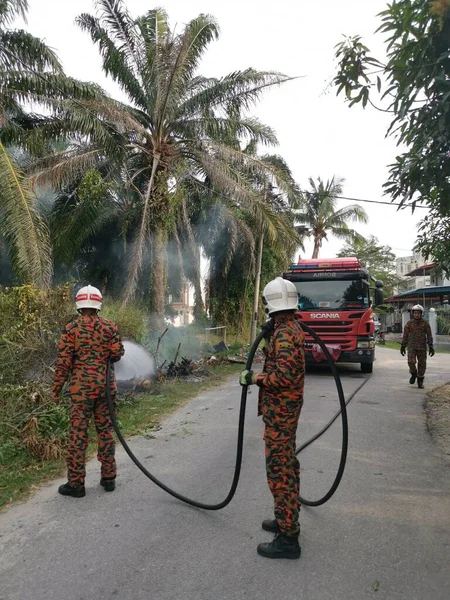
(422, 270)
(429, 291)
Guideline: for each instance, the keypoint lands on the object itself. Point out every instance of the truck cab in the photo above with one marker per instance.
(335, 300)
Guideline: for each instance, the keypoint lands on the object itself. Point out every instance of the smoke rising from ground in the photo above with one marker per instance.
(136, 363)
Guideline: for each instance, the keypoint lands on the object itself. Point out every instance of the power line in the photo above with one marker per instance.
(380, 202)
(324, 194)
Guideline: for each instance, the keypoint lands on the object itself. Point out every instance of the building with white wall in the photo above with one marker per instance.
(413, 271)
(183, 305)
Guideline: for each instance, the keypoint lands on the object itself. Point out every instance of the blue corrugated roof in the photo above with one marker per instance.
(432, 290)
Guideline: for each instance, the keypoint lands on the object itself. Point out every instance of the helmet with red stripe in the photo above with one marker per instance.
(88, 297)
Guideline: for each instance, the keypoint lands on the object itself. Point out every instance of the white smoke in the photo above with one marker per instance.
(136, 364)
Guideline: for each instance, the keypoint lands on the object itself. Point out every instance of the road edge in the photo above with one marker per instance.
(437, 411)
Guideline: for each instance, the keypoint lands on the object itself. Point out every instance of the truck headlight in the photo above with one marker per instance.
(368, 344)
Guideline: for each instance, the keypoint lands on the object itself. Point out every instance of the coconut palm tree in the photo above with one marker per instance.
(176, 126)
(320, 217)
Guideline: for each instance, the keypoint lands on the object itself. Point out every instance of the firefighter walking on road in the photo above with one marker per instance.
(416, 336)
(280, 402)
(85, 346)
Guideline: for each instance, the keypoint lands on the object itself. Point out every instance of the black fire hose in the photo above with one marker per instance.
(240, 441)
(342, 411)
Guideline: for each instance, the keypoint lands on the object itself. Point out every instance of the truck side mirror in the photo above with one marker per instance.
(379, 297)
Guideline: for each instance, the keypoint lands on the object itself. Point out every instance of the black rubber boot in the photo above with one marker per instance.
(420, 383)
(108, 484)
(75, 492)
(271, 525)
(412, 379)
(283, 546)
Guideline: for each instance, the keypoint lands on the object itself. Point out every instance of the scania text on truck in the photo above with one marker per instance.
(335, 299)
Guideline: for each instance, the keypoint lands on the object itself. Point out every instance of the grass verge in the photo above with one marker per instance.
(20, 474)
(437, 408)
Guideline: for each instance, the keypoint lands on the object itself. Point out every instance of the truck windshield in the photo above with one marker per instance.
(339, 295)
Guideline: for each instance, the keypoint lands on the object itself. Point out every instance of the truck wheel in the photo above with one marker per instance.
(367, 367)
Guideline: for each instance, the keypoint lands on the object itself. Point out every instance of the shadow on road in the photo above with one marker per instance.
(345, 370)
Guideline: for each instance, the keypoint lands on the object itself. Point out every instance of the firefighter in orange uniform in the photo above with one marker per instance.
(280, 402)
(86, 345)
(416, 335)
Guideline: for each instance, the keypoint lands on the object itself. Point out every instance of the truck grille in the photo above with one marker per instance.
(332, 332)
(330, 326)
(346, 345)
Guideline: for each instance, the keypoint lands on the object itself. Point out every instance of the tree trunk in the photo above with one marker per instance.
(257, 287)
(159, 278)
(141, 240)
(317, 244)
(199, 306)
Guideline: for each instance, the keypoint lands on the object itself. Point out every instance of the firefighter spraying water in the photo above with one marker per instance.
(87, 343)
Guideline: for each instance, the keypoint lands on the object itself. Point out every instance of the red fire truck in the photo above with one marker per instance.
(334, 299)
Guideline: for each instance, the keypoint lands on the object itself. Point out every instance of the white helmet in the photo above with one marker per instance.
(417, 307)
(88, 297)
(279, 295)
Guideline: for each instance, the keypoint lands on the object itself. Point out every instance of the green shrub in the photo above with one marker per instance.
(32, 320)
(131, 320)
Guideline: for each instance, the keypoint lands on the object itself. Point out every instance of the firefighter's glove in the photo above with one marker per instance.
(431, 351)
(247, 378)
(403, 350)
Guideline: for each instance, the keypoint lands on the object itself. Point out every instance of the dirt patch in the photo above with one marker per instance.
(437, 408)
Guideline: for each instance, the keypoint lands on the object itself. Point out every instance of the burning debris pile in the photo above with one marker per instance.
(182, 369)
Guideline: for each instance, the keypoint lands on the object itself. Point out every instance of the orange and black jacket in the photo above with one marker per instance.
(417, 334)
(85, 346)
(283, 376)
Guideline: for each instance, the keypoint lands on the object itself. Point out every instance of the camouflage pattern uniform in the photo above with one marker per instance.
(416, 335)
(280, 402)
(85, 346)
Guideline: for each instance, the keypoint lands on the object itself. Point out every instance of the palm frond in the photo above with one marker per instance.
(184, 55)
(63, 168)
(224, 130)
(10, 9)
(73, 221)
(23, 228)
(114, 14)
(199, 33)
(19, 50)
(280, 175)
(115, 60)
(345, 233)
(353, 212)
(233, 93)
(46, 90)
(153, 29)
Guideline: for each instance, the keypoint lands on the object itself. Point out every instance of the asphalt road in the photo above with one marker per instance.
(385, 533)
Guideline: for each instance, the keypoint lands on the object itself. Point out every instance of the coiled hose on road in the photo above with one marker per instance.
(240, 440)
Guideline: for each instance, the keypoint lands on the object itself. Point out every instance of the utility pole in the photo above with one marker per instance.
(257, 287)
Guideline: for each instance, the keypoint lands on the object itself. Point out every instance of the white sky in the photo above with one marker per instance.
(319, 135)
